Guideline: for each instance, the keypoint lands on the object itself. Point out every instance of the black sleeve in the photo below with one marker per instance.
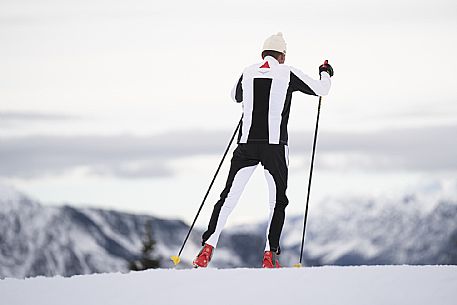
(239, 90)
(296, 84)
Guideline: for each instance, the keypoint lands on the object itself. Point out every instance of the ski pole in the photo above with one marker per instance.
(175, 258)
(309, 182)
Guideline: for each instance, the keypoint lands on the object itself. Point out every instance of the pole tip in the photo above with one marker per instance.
(175, 259)
(297, 265)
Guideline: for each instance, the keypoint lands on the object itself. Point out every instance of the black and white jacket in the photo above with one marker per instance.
(265, 90)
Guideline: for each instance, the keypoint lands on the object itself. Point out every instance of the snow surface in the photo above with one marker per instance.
(375, 285)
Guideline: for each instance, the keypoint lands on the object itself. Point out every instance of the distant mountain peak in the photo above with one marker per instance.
(11, 199)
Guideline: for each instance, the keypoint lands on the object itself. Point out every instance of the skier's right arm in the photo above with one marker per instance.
(237, 91)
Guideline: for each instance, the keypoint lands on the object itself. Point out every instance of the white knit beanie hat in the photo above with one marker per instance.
(275, 43)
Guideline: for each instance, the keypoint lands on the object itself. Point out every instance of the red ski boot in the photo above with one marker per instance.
(270, 260)
(204, 257)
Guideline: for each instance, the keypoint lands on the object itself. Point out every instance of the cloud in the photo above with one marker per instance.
(133, 169)
(15, 116)
(427, 148)
(129, 156)
(122, 155)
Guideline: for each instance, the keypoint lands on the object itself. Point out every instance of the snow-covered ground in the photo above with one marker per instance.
(386, 285)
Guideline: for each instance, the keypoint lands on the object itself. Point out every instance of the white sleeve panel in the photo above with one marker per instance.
(320, 87)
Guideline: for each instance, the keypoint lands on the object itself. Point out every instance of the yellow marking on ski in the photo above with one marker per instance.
(175, 259)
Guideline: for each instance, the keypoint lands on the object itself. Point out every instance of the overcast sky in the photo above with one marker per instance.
(126, 104)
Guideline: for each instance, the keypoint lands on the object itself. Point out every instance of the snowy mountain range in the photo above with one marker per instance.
(419, 227)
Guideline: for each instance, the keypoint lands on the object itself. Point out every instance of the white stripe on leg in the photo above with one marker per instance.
(272, 202)
(238, 184)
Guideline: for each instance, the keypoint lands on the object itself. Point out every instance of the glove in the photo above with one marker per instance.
(326, 68)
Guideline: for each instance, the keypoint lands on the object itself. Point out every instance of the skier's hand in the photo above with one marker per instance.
(326, 67)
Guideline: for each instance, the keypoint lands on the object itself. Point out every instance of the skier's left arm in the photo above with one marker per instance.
(237, 91)
(299, 81)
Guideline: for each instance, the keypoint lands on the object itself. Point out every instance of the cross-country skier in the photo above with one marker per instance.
(265, 91)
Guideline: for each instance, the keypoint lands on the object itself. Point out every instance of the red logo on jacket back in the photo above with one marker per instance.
(265, 65)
